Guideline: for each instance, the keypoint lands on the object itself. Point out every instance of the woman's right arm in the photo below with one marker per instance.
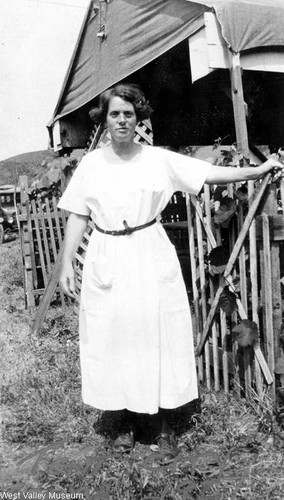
(76, 226)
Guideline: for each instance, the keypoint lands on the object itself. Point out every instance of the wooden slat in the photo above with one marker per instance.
(223, 322)
(46, 247)
(276, 225)
(239, 106)
(267, 287)
(39, 243)
(64, 219)
(253, 254)
(203, 295)
(211, 245)
(53, 242)
(243, 290)
(242, 260)
(51, 229)
(48, 294)
(194, 281)
(57, 221)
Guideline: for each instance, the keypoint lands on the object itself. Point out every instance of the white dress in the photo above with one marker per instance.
(136, 344)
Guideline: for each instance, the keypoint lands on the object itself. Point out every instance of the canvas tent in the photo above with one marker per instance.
(118, 38)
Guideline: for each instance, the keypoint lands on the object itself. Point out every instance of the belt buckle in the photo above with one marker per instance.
(127, 230)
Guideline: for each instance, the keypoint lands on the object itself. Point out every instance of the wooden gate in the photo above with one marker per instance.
(239, 294)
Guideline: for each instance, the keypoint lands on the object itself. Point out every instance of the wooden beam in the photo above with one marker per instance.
(48, 294)
(239, 107)
(276, 227)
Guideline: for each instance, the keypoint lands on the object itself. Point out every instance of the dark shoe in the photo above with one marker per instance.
(124, 443)
(167, 448)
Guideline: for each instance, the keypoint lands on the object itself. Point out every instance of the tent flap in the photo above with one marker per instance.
(249, 24)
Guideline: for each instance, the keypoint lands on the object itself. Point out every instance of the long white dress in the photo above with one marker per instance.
(136, 343)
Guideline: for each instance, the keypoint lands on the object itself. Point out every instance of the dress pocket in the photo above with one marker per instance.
(167, 264)
(102, 274)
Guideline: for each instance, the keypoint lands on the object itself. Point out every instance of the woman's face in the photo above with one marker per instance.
(121, 120)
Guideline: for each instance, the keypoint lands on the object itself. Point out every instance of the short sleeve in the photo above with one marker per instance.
(74, 196)
(186, 173)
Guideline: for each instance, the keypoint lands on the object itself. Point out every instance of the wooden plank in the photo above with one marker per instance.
(231, 364)
(282, 196)
(254, 283)
(64, 219)
(243, 290)
(242, 260)
(51, 229)
(48, 294)
(203, 295)
(223, 323)
(215, 330)
(234, 315)
(45, 241)
(267, 286)
(276, 225)
(194, 281)
(39, 243)
(271, 207)
(233, 257)
(239, 107)
(53, 241)
(243, 147)
(57, 218)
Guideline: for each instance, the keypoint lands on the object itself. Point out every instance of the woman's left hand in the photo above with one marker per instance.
(274, 166)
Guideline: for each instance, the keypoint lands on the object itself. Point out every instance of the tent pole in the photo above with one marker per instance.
(239, 107)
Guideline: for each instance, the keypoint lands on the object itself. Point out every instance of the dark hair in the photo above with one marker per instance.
(128, 92)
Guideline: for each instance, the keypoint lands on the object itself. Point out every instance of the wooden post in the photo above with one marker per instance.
(270, 258)
(192, 253)
(243, 148)
(239, 107)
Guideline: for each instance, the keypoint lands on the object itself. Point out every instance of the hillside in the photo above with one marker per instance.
(32, 164)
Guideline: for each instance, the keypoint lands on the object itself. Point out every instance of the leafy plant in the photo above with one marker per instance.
(245, 333)
(226, 211)
(218, 258)
(228, 301)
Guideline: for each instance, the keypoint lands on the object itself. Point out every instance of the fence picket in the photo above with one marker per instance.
(203, 296)
(267, 288)
(192, 255)
(46, 248)
(35, 220)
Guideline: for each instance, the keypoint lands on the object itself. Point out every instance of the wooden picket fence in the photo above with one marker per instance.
(42, 228)
(224, 361)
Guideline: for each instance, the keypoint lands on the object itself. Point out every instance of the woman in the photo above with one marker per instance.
(136, 343)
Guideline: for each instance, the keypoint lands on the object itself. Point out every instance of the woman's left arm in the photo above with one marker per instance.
(224, 175)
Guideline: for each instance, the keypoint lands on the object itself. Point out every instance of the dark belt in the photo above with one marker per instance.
(127, 230)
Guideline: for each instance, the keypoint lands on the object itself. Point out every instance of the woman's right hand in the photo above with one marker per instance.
(67, 280)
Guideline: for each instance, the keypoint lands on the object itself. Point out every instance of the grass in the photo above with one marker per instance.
(52, 442)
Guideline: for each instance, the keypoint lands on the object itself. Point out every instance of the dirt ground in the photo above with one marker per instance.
(53, 446)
